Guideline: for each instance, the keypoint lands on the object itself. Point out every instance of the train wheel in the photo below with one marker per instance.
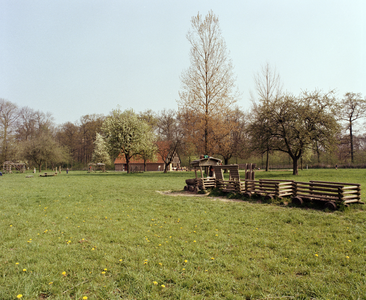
(330, 205)
(297, 201)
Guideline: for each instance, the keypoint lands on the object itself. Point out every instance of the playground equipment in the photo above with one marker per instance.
(333, 194)
(92, 167)
(203, 165)
(8, 165)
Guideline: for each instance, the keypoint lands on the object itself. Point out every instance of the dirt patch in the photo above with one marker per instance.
(190, 194)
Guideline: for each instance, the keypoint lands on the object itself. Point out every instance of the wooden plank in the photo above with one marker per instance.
(317, 185)
(317, 197)
(351, 201)
(349, 192)
(350, 197)
(319, 193)
(330, 182)
(350, 187)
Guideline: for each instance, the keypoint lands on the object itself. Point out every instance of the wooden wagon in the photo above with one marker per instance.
(269, 188)
(331, 193)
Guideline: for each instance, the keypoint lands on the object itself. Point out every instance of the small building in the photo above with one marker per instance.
(137, 164)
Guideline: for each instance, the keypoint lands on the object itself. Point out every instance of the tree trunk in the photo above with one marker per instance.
(294, 166)
(351, 139)
(127, 163)
(206, 136)
(145, 165)
(267, 160)
(301, 164)
(166, 167)
(39, 167)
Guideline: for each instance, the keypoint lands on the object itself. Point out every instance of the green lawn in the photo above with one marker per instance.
(112, 236)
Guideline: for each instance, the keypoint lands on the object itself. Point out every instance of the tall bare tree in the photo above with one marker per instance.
(268, 87)
(353, 108)
(208, 84)
(9, 115)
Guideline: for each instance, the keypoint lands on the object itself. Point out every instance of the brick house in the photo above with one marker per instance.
(137, 164)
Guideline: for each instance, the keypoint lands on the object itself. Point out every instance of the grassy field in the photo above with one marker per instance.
(112, 236)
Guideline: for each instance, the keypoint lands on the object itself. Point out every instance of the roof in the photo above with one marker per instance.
(205, 162)
(163, 146)
(121, 159)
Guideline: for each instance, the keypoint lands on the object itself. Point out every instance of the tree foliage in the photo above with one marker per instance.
(100, 153)
(126, 134)
(42, 149)
(230, 136)
(295, 124)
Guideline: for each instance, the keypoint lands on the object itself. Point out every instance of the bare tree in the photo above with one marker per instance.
(169, 136)
(353, 108)
(230, 135)
(268, 87)
(9, 115)
(31, 123)
(209, 81)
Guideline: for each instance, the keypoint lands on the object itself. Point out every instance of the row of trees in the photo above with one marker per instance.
(208, 120)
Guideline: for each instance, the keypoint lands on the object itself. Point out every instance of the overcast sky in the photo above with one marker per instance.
(78, 57)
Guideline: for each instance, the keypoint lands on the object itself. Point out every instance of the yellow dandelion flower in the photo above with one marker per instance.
(194, 241)
(160, 264)
(24, 270)
(155, 283)
(19, 296)
(103, 272)
(163, 286)
(183, 269)
(93, 249)
(17, 263)
(85, 298)
(185, 261)
(212, 258)
(145, 262)
(347, 256)
(120, 260)
(51, 282)
(105, 269)
(316, 255)
(11, 225)
(63, 273)
(349, 240)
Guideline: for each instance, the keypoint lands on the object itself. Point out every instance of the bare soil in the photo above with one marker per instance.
(191, 194)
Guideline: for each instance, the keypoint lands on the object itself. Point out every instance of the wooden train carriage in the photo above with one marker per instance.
(332, 193)
(269, 188)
